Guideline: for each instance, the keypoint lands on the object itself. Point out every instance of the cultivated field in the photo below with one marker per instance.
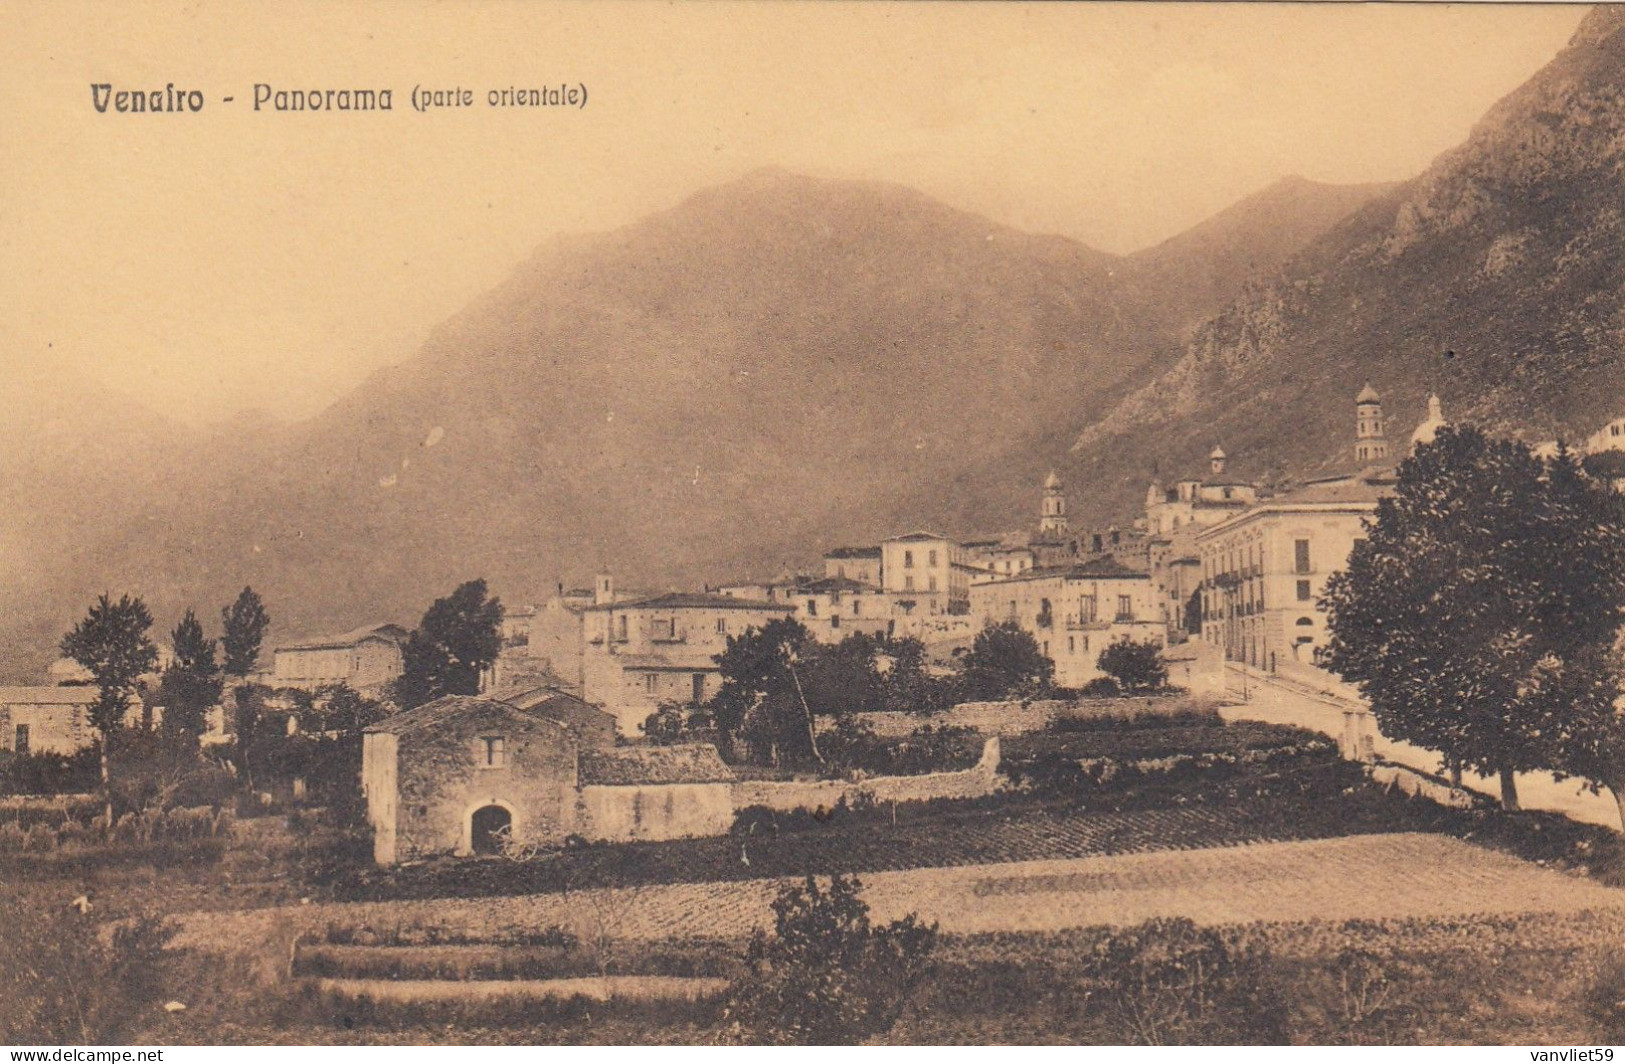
(1361, 877)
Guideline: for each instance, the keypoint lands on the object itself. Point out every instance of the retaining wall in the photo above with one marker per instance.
(784, 796)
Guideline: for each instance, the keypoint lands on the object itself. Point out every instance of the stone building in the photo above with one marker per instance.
(641, 653)
(1174, 516)
(52, 720)
(461, 774)
(366, 659)
(468, 776)
(655, 792)
(1074, 612)
(930, 569)
(853, 563)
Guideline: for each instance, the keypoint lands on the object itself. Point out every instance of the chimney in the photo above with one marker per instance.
(604, 592)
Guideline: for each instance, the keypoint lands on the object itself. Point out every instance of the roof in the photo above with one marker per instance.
(1368, 394)
(834, 583)
(853, 552)
(658, 662)
(916, 537)
(625, 766)
(442, 709)
(392, 632)
(64, 696)
(1102, 568)
(1053, 480)
(693, 600)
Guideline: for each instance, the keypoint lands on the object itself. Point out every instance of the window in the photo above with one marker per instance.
(1303, 591)
(21, 743)
(812, 607)
(908, 583)
(834, 620)
(698, 682)
(493, 752)
(1125, 607)
(621, 628)
(1086, 609)
(1071, 644)
(1301, 556)
(722, 624)
(855, 604)
(931, 583)
(908, 559)
(931, 559)
(649, 680)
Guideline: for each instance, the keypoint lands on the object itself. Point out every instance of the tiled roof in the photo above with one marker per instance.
(853, 552)
(1103, 568)
(392, 632)
(835, 583)
(915, 537)
(693, 600)
(625, 766)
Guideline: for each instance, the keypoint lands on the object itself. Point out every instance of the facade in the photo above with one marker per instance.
(52, 720)
(468, 776)
(854, 563)
(1263, 571)
(929, 568)
(999, 557)
(1174, 516)
(366, 659)
(1074, 612)
(641, 653)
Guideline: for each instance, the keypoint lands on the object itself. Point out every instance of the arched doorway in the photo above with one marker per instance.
(489, 826)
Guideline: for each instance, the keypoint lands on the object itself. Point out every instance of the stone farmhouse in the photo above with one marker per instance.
(465, 775)
(366, 659)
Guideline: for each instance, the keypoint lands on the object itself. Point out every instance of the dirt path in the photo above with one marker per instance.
(1370, 876)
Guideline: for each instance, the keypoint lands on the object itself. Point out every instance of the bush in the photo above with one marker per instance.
(852, 747)
(50, 773)
(1605, 1001)
(1101, 687)
(1170, 982)
(666, 725)
(1134, 665)
(826, 976)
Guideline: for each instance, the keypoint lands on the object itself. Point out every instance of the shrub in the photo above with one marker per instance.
(1170, 982)
(826, 976)
(1136, 666)
(50, 773)
(852, 747)
(666, 725)
(1605, 1001)
(1101, 687)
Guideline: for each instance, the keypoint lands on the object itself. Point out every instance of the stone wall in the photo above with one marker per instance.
(1411, 782)
(976, 782)
(653, 812)
(1020, 718)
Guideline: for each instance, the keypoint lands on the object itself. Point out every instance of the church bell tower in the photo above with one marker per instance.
(1052, 518)
(1370, 444)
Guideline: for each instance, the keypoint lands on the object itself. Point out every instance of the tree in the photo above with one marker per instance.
(456, 641)
(906, 685)
(1004, 662)
(1136, 666)
(1479, 601)
(112, 643)
(762, 699)
(190, 685)
(244, 623)
(827, 976)
(1193, 613)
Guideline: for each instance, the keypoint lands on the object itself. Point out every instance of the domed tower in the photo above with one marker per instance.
(1430, 425)
(1370, 445)
(1216, 460)
(1052, 518)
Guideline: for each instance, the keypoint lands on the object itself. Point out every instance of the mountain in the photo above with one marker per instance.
(773, 365)
(1206, 267)
(1496, 278)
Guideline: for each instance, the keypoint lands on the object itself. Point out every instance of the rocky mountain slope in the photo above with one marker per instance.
(1496, 278)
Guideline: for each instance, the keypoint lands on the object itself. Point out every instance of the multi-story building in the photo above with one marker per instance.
(1074, 612)
(854, 563)
(929, 568)
(1264, 570)
(366, 659)
(640, 653)
(1174, 515)
(53, 720)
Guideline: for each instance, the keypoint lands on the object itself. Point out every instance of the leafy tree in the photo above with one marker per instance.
(827, 976)
(1193, 613)
(843, 678)
(342, 711)
(458, 638)
(1479, 602)
(190, 685)
(1136, 666)
(763, 699)
(666, 725)
(1005, 662)
(112, 643)
(906, 685)
(245, 622)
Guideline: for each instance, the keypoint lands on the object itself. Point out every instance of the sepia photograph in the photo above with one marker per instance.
(789, 523)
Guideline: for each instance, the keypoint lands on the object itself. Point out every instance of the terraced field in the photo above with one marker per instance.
(1371, 877)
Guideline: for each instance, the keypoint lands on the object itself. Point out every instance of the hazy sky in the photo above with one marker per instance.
(211, 262)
